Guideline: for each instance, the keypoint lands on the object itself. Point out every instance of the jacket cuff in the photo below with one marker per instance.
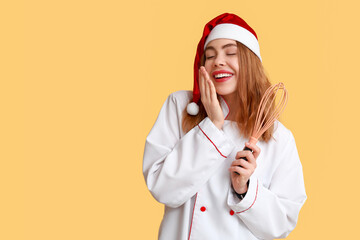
(216, 136)
(240, 206)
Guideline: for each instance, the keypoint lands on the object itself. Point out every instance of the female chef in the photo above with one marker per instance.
(192, 159)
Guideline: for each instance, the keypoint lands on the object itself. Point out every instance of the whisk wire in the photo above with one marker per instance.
(263, 121)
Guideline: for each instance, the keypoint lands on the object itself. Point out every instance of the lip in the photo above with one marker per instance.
(222, 79)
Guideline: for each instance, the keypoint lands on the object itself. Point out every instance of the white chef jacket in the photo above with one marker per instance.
(189, 174)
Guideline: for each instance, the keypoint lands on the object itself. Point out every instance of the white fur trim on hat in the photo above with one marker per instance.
(192, 108)
(234, 32)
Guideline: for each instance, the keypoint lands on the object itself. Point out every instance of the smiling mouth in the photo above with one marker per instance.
(222, 77)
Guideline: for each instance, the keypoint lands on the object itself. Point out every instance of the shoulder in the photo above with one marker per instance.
(282, 134)
(180, 99)
(281, 147)
(181, 96)
(176, 102)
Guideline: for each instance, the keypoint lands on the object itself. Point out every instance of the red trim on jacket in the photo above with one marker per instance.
(211, 142)
(257, 186)
(192, 216)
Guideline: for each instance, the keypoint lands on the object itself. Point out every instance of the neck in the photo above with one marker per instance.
(231, 101)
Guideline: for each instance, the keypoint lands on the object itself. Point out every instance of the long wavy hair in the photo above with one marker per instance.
(252, 84)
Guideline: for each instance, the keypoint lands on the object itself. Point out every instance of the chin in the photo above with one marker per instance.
(225, 91)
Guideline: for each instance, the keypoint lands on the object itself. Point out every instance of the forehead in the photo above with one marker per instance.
(220, 43)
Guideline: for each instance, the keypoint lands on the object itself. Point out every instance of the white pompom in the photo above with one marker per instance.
(192, 109)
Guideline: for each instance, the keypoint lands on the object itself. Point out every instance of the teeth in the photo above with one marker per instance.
(221, 75)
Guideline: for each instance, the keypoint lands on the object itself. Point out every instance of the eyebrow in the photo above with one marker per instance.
(225, 46)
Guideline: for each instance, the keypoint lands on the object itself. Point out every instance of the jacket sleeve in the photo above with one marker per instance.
(176, 167)
(273, 212)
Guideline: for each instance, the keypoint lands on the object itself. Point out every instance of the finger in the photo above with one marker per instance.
(243, 163)
(207, 88)
(238, 178)
(247, 154)
(213, 95)
(256, 150)
(238, 162)
(202, 85)
(251, 159)
(206, 74)
(241, 171)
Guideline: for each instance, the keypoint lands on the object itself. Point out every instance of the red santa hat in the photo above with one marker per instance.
(228, 26)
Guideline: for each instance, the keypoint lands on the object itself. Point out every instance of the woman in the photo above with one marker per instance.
(192, 158)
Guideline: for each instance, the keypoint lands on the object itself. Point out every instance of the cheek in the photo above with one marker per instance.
(235, 66)
(207, 67)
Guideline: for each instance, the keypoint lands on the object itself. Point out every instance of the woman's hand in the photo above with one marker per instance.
(209, 98)
(241, 170)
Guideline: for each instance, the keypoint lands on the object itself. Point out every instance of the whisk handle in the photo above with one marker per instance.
(246, 149)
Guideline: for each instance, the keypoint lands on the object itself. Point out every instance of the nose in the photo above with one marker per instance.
(219, 61)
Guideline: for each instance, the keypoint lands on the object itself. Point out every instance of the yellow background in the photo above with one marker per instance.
(82, 83)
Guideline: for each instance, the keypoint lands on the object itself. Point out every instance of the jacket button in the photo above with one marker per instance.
(203, 209)
(232, 212)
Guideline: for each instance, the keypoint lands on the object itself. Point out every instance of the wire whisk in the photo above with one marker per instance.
(262, 121)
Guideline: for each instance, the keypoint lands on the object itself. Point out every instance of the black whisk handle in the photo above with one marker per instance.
(246, 149)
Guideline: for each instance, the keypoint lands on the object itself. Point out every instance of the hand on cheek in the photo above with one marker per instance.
(209, 98)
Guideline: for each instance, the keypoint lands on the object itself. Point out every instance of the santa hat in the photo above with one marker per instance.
(228, 26)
